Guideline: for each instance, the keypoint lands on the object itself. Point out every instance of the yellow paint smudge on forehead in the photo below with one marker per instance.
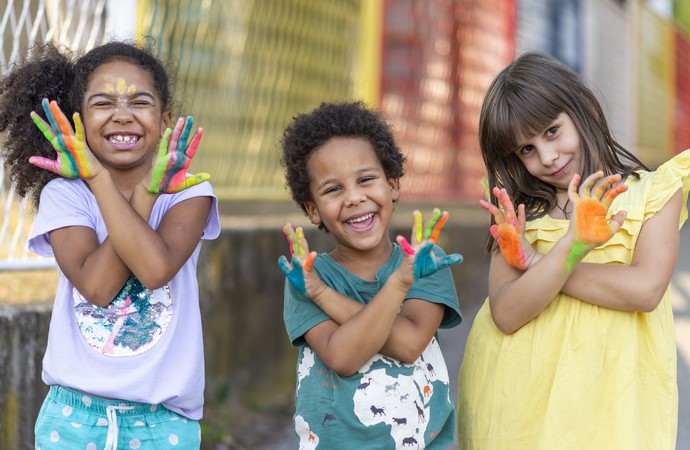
(121, 87)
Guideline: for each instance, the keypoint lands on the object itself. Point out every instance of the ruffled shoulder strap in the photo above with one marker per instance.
(665, 181)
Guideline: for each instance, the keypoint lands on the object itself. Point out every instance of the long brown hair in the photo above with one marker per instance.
(522, 101)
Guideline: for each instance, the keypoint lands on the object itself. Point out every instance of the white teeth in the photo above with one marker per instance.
(361, 219)
(119, 139)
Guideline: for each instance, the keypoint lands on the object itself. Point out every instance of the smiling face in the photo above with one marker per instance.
(555, 155)
(122, 116)
(353, 198)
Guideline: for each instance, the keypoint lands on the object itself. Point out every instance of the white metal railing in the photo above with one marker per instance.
(77, 24)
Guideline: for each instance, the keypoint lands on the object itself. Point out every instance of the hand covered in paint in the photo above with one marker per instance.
(426, 262)
(509, 230)
(299, 271)
(169, 172)
(589, 226)
(74, 158)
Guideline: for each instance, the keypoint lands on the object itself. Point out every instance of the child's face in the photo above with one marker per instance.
(353, 198)
(555, 155)
(122, 115)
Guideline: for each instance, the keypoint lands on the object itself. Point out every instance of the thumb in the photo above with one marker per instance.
(284, 265)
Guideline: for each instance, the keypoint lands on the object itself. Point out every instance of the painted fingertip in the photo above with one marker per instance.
(406, 246)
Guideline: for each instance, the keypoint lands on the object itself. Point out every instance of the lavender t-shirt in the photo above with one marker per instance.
(146, 345)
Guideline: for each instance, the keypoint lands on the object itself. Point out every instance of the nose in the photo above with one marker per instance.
(355, 196)
(547, 154)
(122, 113)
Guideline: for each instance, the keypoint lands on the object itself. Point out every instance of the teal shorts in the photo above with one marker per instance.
(71, 420)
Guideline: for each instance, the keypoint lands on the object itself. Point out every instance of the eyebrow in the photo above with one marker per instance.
(135, 95)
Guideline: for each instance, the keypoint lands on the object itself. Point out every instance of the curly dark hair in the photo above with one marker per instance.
(56, 73)
(310, 131)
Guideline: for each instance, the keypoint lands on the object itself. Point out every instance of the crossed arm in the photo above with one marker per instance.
(519, 294)
(388, 324)
(132, 246)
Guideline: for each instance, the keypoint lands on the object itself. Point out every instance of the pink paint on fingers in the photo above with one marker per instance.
(406, 246)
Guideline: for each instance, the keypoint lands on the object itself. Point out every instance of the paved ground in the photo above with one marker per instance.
(453, 342)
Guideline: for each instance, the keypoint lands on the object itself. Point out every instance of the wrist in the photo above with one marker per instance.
(576, 252)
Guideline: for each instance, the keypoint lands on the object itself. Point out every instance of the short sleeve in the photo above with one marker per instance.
(439, 288)
(300, 314)
(665, 181)
(167, 201)
(64, 203)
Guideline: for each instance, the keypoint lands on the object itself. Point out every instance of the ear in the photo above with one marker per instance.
(394, 183)
(166, 121)
(313, 213)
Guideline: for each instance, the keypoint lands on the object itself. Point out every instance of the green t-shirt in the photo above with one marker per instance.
(386, 404)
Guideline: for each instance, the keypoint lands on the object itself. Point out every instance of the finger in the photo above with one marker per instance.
(417, 225)
(304, 245)
(493, 230)
(405, 245)
(300, 238)
(449, 260)
(601, 186)
(193, 180)
(175, 136)
(49, 114)
(45, 163)
(289, 233)
(612, 193)
(310, 261)
(194, 144)
(493, 210)
(80, 144)
(617, 221)
(572, 188)
(439, 225)
(521, 218)
(284, 265)
(185, 133)
(586, 186)
(508, 208)
(432, 223)
(61, 119)
(45, 129)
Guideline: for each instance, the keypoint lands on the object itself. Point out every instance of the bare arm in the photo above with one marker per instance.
(344, 348)
(639, 286)
(410, 333)
(100, 271)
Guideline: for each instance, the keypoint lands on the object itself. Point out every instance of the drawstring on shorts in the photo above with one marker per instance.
(113, 428)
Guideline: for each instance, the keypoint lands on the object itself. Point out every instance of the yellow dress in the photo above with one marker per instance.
(579, 376)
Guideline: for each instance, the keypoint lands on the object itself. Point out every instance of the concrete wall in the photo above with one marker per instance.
(250, 364)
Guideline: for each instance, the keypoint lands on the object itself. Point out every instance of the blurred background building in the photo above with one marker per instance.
(246, 67)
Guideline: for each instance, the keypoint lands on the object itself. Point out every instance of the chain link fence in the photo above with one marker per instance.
(244, 69)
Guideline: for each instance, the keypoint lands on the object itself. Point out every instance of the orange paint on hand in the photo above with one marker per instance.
(510, 243)
(592, 227)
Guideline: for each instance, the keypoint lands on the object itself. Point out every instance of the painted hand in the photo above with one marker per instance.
(169, 172)
(589, 225)
(74, 158)
(299, 272)
(426, 262)
(509, 230)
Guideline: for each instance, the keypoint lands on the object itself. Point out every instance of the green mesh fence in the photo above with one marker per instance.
(246, 68)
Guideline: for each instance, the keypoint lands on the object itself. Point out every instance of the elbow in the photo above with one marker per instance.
(154, 280)
(410, 354)
(99, 297)
(650, 301)
(504, 322)
(343, 369)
